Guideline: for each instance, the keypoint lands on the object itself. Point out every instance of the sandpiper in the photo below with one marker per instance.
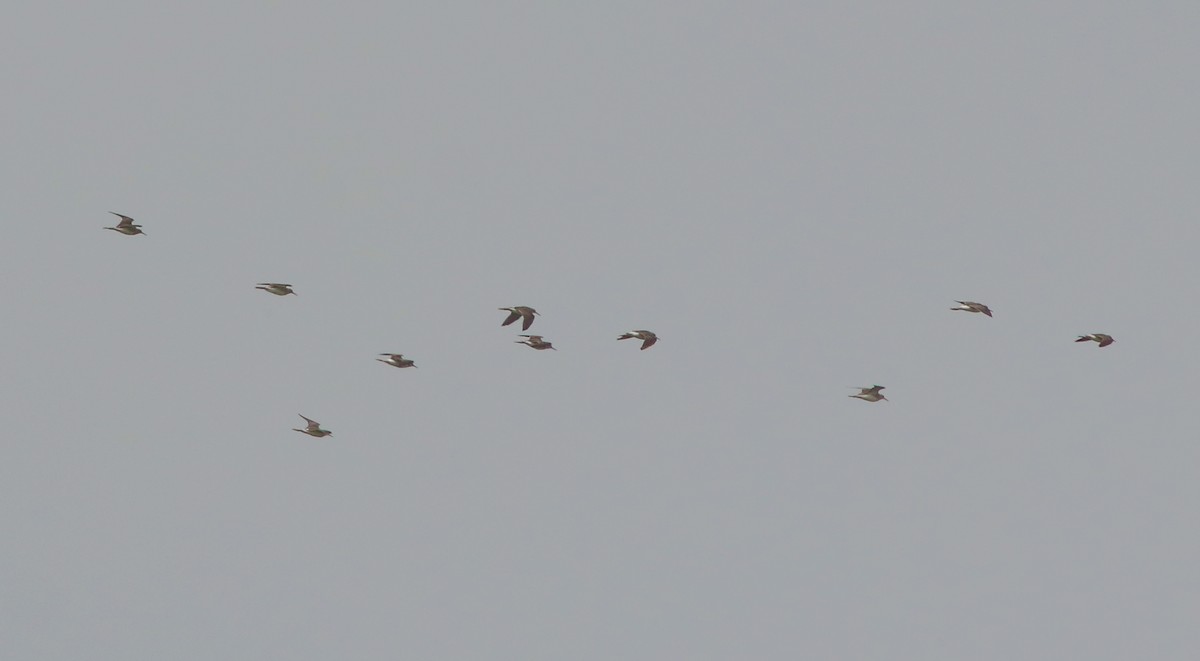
(396, 360)
(277, 288)
(648, 338)
(536, 342)
(969, 306)
(314, 429)
(520, 312)
(126, 225)
(871, 394)
(1101, 338)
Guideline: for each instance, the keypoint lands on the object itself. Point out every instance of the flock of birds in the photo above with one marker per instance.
(872, 394)
(526, 314)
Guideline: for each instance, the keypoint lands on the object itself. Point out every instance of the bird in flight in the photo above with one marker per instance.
(277, 288)
(520, 312)
(1101, 338)
(871, 394)
(970, 306)
(647, 337)
(126, 225)
(396, 360)
(314, 429)
(536, 342)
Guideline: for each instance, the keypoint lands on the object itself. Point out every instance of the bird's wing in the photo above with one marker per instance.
(126, 221)
(512, 316)
(528, 321)
(649, 342)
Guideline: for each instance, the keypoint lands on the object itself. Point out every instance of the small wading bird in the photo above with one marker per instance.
(1101, 338)
(536, 342)
(969, 306)
(871, 394)
(126, 225)
(648, 338)
(313, 429)
(396, 360)
(520, 312)
(277, 288)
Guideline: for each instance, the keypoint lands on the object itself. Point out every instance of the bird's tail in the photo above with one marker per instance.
(1084, 338)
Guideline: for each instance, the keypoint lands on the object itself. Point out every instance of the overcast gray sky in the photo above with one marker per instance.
(791, 194)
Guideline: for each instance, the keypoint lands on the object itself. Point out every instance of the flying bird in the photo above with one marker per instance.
(1101, 338)
(520, 312)
(871, 394)
(314, 429)
(396, 360)
(277, 288)
(126, 225)
(969, 306)
(648, 338)
(536, 342)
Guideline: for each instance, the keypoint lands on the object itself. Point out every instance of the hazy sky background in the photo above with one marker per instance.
(791, 194)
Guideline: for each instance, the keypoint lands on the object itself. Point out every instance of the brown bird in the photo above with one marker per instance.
(520, 312)
(277, 288)
(396, 360)
(126, 225)
(314, 429)
(648, 338)
(536, 342)
(969, 306)
(1101, 338)
(871, 394)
